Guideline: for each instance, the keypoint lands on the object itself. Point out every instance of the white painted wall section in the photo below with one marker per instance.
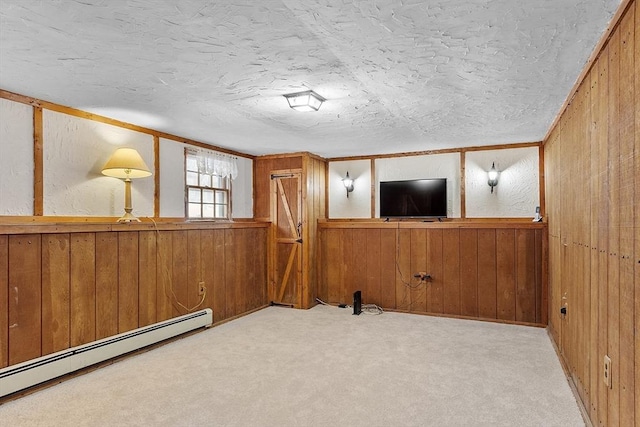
(358, 204)
(242, 190)
(419, 167)
(75, 150)
(172, 184)
(16, 158)
(518, 191)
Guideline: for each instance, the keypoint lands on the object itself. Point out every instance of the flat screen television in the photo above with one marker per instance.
(418, 198)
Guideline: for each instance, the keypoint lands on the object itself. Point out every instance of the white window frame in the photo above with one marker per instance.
(212, 187)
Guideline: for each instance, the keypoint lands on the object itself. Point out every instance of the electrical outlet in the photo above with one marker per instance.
(607, 371)
(201, 288)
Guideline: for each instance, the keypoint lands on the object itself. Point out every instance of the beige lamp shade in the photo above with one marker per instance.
(126, 163)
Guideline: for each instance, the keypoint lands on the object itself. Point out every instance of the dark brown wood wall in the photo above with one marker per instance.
(61, 289)
(262, 181)
(483, 271)
(592, 172)
(313, 207)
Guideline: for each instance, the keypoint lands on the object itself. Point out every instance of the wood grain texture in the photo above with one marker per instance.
(178, 290)
(451, 271)
(83, 288)
(592, 176)
(127, 281)
(4, 301)
(38, 163)
(435, 268)
(505, 274)
(487, 274)
(147, 279)
(107, 279)
(25, 314)
(474, 271)
(469, 272)
(69, 289)
(164, 274)
(55, 293)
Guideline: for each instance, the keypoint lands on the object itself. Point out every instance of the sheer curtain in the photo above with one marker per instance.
(213, 162)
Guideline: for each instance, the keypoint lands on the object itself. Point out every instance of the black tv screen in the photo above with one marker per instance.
(419, 198)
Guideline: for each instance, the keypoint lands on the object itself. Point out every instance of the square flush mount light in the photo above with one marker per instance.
(305, 101)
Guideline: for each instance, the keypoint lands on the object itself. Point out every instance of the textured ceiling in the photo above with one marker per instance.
(399, 75)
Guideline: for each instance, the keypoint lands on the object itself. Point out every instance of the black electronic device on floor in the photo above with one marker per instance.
(357, 302)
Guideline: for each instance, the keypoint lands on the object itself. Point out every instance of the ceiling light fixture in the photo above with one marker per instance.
(305, 101)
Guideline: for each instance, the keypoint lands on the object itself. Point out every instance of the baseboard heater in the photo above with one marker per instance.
(32, 372)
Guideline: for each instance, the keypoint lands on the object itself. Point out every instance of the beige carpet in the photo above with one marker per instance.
(322, 367)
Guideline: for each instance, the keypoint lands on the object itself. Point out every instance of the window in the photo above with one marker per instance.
(208, 178)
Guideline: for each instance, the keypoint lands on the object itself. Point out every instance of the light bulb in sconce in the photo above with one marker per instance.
(493, 176)
(348, 183)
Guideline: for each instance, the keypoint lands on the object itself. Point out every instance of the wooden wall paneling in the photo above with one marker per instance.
(355, 273)
(613, 231)
(418, 263)
(550, 149)
(251, 252)
(242, 276)
(107, 283)
(55, 292)
(584, 136)
(581, 285)
(24, 297)
(194, 268)
(83, 288)
(404, 282)
(127, 281)
(636, 155)
(219, 263)
(38, 163)
(179, 285)
(333, 257)
(451, 270)
(147, 278)
(541, 306)
(603, 223)
(594, 358)
(435, 267)
(372, 289)
(345, 274)
(487, 274)
(306, 220)
(262, 180)
(4, 301)
(344, 271)
(525, 277)
(505, 274)
(469, 272)
(231, 286)
(628, 105)
(207, 255)
(388, 268)
(259, 247)
(164, 276)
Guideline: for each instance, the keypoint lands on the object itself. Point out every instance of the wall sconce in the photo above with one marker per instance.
(305, 101)
(493, 176)
(348, 184)
(126, 163)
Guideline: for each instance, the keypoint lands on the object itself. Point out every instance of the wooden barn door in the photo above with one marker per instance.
(286, 242)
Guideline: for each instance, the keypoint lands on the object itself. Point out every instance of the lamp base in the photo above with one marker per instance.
(128, 217)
